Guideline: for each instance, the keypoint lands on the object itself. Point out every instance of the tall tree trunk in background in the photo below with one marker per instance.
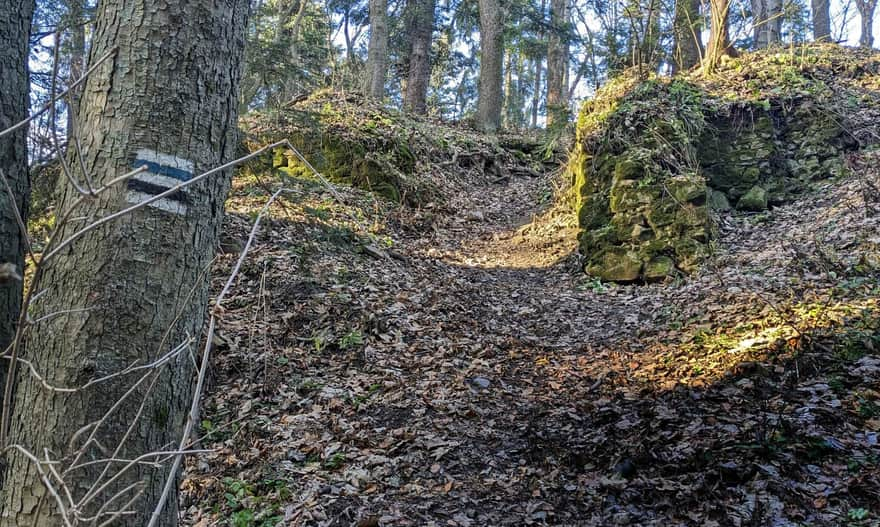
(766, 22)
(15, 27)
(536, 92)
(377, 53)
(866, 11)
(491, 70)
(557, 64)
(821, 20)
(509, 91)
(135, 288)
(421, 28)
(688, 47)
(291, 33)
(719, 37)
(759, 22)
(77, 24)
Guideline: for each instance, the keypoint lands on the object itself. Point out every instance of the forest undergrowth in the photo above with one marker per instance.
(450, 364)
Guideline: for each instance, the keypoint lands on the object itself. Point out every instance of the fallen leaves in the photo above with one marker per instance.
(491, 384)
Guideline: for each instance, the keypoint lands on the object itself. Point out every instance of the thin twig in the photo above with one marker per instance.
(46, 482)
(61, 95)
(107, 219)
(21, 224)
(206, 356)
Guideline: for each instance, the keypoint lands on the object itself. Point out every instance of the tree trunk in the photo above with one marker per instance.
(15, 26)
(821, 20)
(766, 22)
(377, 54)
(291, 87)
(759, 22)
(77, 23)
(719, 38)
(536, 92)
(557, 64)
(866, 12)
(421, 27)
(136, 288)
(686, 28)
(491, 59)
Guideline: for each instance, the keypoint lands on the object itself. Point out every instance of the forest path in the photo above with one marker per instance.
(476, 377)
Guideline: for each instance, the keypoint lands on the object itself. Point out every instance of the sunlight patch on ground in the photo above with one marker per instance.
(549, 239)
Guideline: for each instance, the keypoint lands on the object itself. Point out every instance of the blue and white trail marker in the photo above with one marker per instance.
(164, 171)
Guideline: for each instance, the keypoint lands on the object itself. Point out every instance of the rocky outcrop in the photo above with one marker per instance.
(655, 159)
(400, 156)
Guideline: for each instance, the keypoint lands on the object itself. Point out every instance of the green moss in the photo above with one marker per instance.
(755, 200)
(659, 268)
(627, 169)
(618, 265)
(653, 157)
(353, 141)
(718, 201)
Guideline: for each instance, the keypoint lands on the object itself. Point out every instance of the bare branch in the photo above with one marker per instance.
(61, 95)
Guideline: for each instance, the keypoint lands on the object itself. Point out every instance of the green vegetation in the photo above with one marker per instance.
(255, 505)
(654, 158)
(361, 143)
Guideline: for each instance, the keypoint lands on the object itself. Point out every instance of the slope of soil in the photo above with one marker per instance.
(461, 371)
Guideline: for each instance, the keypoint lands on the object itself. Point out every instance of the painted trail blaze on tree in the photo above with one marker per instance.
(133, 290)
(163, 172)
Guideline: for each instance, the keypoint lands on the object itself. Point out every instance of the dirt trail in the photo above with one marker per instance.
(476, 378)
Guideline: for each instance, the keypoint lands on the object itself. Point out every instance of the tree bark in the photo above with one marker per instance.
(821, 20)
(421, 28)
(866, 12)
(719, 37)
(77, 54)
(15, 26)
(557, 64)
(688, 47)
(132, 290)
(766, 22)
(491, 65)
(377, 53)
(536, 92)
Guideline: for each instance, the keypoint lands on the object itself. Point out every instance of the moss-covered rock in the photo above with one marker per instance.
(755, 200)
(653, 157)
(718, 201)
(361, 143)
(617, 265)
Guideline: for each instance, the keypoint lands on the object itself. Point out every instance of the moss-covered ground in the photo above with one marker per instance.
(399, 156)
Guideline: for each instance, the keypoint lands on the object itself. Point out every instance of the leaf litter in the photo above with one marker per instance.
(464, 372)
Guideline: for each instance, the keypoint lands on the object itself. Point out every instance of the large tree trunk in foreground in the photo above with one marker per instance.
(821, 20)
(866, 12)
(421, 27)
(491, 65)
(377, 54)
(15, 26)
(133, 289)
(557, 64)
(688, 48)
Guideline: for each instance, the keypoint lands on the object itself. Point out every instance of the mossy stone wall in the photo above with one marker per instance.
(649, 168)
